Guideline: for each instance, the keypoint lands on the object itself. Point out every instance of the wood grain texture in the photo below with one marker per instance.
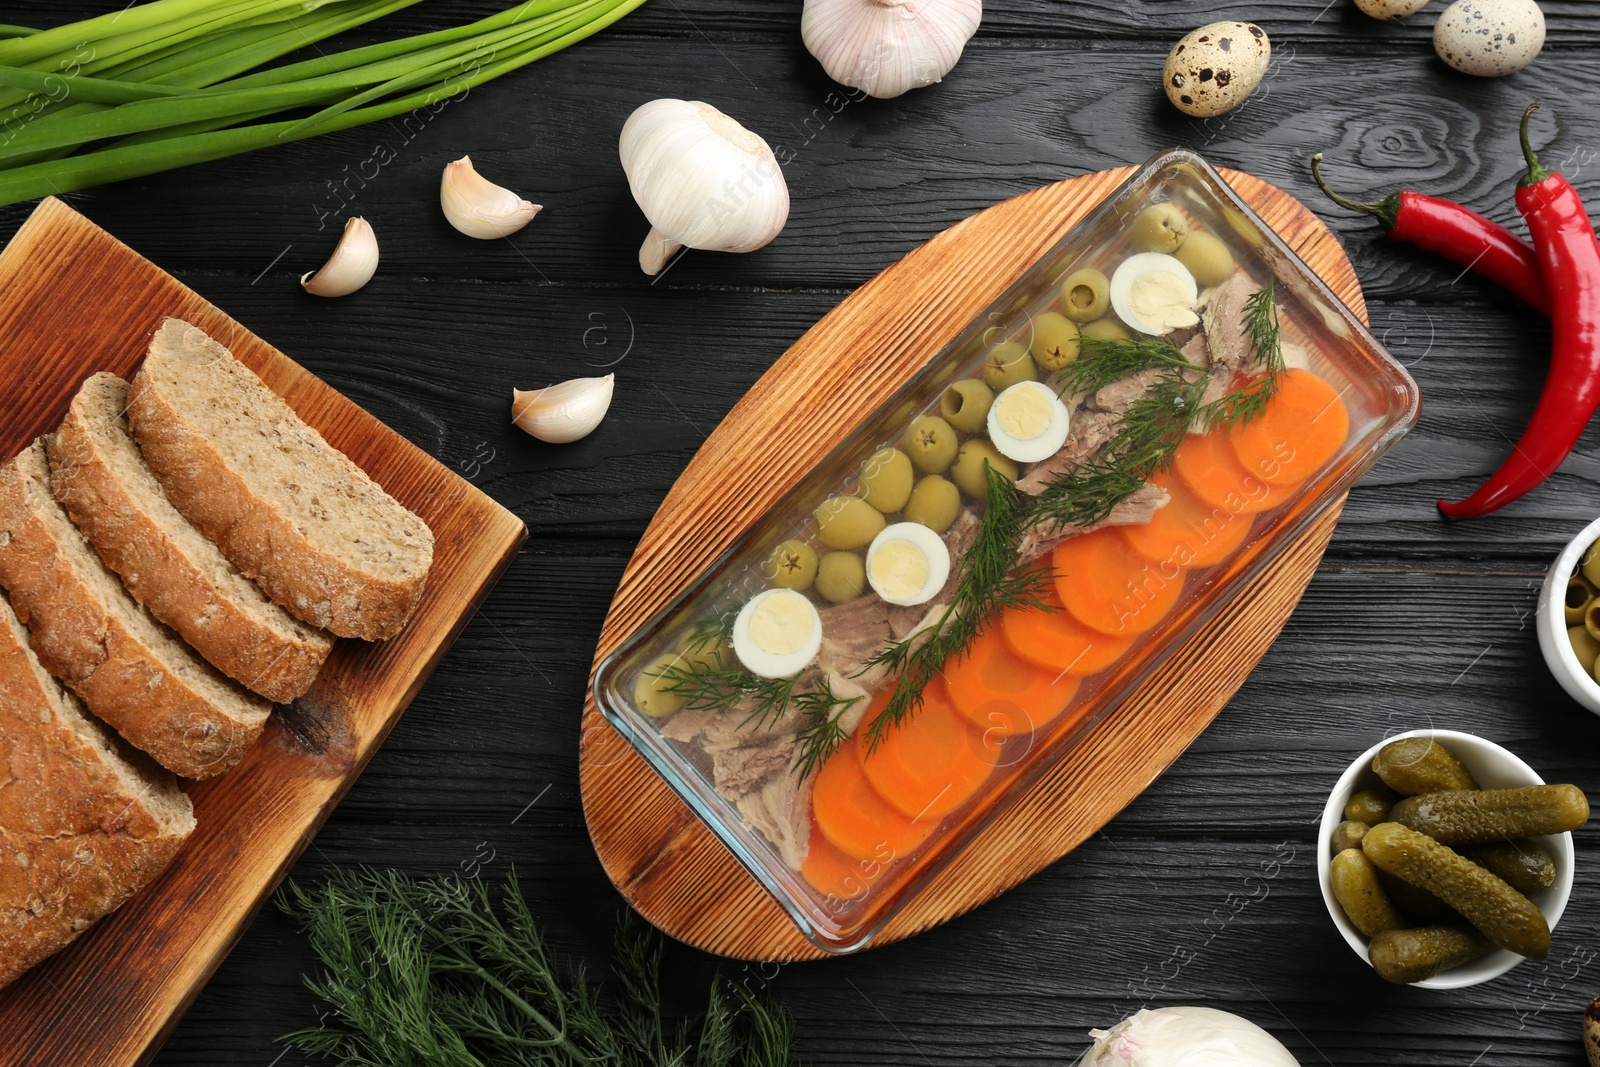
(662, 859)
(74, 300)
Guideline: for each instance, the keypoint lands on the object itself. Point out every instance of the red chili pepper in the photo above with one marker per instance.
(1458, 233)
(1569, 261)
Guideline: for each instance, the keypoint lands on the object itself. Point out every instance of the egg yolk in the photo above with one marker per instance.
(781, 624)
(1023, 413)
(899, 570)
(1161, 300)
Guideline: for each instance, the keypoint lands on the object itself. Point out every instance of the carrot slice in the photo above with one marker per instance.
(855, 818)
(1208, 467)
(1002, 694)
(1109, 588)
(1302, 428)
(1187, 531)
(830, 871)
(930, 764)
(1054, 640)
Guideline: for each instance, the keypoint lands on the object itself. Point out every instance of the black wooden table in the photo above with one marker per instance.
(1204, 891)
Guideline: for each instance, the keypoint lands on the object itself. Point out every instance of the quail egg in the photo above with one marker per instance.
(777, 633)
(1391, 9)
(907, 564)
(1213, 69)
(1028, 422)
(1154, 293)
(1489, 38)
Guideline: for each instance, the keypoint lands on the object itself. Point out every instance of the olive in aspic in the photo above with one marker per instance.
(968, 469)
(1158, 228)
(1007, 364)
(935, 502)
(1207, 258)
(841, 576)
(1105, 330)
(886, 479)
(845, 522)
(654, 692)
(1055, 340)
(965, 405)
(1085, 295)
(792, 565)
(931, 444)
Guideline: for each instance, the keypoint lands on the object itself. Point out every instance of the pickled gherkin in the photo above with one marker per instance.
(1415, 903)
(1348, 834)
(1354, 881)
(1415, 765)
(1481, 817)
(1504, 915)
(1370, 806)
(1523, 865)
(1405, 956)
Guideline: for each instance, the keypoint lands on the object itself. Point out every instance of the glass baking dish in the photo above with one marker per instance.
(843, 849)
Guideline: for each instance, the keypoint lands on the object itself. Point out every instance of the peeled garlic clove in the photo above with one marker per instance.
(884, 47)
(351, 266)
(478, 207)
(701, 179)
(563, 412)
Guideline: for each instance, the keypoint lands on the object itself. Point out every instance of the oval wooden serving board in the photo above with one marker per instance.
(663, 860)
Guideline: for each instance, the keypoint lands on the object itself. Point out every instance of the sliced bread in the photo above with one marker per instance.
(84, 821)
(129, 669)
(170, 567)
(287, 508)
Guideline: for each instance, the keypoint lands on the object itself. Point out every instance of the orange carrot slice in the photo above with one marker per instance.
(1056, 641)
(855, 819)
(930, 764)
(1304, 425)
(1187, 531)
(1002, 694)
(1109, 588)
(831, 872)
(1208, 467)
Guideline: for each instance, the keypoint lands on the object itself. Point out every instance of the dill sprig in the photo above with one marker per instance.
(1102, 362)
(821, 733)
(429, 973)
(1266, 351)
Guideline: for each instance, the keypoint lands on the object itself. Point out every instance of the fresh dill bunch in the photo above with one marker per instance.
(1101, 362)
(722, 685)
(428, 973)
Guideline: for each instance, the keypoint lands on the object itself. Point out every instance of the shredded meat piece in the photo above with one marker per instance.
(734, 727)
(1090, 430)
(736, 771)
(1119, 396)
(1137, 507)
(846, 689)
(1196, 351)
(686, 725)
(852, 633)
(780, 812)
(1222, 315)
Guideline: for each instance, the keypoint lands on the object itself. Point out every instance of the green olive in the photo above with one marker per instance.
(1007, 364)
(935, 502)
(653, 692)
(1055, 340)
(965, 405)
(792, 565)
(1085, 295)
(968, 471)
(931, 444)
(1207, 258)
(886, 480)
(705, 651)
(1105, 330)
(841, 576)
(848, 522)
(1158, 228)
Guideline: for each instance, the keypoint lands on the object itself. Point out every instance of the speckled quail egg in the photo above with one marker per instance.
(1154, 293)
(1028, 422)
(1213, 69)
(1489, 38)
(907, 564)
(777, 633)
(1391, 9)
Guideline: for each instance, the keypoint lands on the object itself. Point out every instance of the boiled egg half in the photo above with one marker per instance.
(1154, 293)
(1028, 422)
(907, 563)
(777, 633)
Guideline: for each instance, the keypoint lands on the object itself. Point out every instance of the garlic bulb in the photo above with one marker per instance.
(884, 47)
(563, 412)
(478, 207)
(701, 179)
(1185, 1037)
(352, 265)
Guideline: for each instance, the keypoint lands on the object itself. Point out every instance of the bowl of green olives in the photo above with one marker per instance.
(1568, 620)
(1405, 933)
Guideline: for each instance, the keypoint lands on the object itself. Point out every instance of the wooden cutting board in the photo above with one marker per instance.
(75, 300)
(662, 859)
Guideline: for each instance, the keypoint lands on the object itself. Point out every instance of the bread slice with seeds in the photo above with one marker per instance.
(170, 567)
(84, 821)
(129, 669)
(287, 508)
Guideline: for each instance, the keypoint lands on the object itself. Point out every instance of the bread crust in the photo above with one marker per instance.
(82, 642)
(161, 575)
(254, 533)
(78, 834)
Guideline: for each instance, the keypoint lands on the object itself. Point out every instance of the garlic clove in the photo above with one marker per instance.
(564, 412)
(352, 265)
(478, 207)
(886, 47)
(702, 180)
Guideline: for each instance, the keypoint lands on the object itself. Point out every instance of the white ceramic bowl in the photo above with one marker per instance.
(1552, 624)
(1494, 768)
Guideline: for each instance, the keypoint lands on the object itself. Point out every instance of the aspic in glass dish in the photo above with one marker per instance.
(1002, 551)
